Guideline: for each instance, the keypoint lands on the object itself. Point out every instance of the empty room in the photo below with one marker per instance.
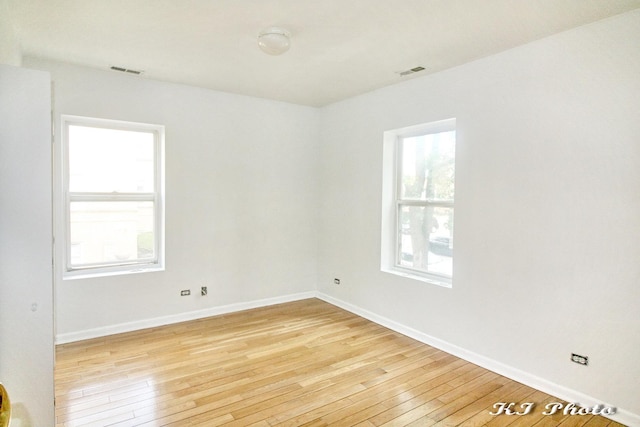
(319, 213)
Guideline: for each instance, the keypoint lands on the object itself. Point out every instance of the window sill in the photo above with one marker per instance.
(84, 274)
(434, 280)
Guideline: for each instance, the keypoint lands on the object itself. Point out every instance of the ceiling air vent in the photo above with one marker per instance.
(411, 71)
(126, 70)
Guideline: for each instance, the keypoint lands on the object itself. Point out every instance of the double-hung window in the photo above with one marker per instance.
(418, 205)
(113, 191)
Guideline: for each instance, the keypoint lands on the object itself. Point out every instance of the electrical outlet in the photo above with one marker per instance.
(203, 291)
(336, 281)
(582, 360)
(185, 292)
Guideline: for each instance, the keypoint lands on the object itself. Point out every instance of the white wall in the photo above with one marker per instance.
(241, 201)
(547, 208)
(26, 271)
(10, 52)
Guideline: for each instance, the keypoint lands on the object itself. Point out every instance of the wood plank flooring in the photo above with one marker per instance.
(305, 363)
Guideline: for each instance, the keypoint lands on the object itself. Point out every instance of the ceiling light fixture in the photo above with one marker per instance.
(274, 40)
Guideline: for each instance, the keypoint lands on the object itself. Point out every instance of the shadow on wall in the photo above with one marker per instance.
(20, 415)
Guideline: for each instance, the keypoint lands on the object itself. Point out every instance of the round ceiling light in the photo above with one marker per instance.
(274, 40)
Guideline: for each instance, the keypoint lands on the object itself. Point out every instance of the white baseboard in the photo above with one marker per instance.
(177, 318)
(621, 416)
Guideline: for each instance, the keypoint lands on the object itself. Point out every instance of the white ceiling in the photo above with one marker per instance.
(340, 48)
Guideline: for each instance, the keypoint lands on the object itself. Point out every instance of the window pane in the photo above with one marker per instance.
(110, 160)
(426, 239)
(428, 166)
(111, 232)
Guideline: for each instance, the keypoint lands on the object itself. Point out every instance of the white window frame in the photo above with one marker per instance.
(392, 201)
(157, 197)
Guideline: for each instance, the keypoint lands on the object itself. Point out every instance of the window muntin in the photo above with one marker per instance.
(419, 192)
(113, 190)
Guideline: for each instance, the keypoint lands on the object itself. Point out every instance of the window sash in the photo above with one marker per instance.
(403, 201)
(87, 197)
(399, 171)
(398, 234)
(154, 197)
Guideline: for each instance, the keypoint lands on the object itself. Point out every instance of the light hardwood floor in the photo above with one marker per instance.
(302, 363)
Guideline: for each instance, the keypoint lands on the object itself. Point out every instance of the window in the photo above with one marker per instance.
(113, 189)
(418, 201)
